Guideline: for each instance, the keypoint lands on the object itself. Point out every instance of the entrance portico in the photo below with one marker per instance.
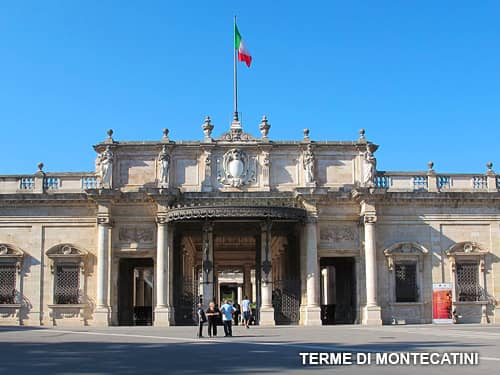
(259, 245)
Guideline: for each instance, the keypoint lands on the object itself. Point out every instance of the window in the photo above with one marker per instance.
(11, 259)
(67, 284)
(468, 287)
(7, 283)
(405, 262)
(406, 282)
(468, 264)
(68, 270)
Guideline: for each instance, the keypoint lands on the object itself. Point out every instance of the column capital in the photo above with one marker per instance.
(161, 219)
(370, 218)
(311, 219)
(104, 219)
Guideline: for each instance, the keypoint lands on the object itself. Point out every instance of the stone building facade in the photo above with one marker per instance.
(309, 230)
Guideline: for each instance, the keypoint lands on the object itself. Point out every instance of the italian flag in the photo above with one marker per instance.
(243, 53)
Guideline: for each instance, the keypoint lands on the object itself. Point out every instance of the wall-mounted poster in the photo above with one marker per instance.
(442, 303)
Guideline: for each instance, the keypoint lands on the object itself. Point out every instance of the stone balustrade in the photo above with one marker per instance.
(423, 181)
(51, 182)
(384, 180)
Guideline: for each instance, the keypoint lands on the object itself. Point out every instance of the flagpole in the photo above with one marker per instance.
(235, 118)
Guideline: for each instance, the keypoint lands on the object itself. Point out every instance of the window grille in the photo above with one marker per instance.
(406, 282)
(67, 284)
(420, 182)
(468, 287)
(7, 283)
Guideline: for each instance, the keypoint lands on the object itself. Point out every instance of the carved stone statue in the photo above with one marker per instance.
(369, 166)
(163, 168)
(308, 161)
(106, 168)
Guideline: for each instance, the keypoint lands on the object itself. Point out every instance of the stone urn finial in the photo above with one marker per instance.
(490, 171)
(306, 134)
(109, 139)
(207, 128)
(165, 135)
(362, 135)
(40, 167)
(431, 166)
(264, 127)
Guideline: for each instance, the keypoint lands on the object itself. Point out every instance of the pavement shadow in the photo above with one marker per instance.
(86, 357)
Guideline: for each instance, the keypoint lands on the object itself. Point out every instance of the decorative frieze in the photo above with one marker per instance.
(338, 233)
(136, 234)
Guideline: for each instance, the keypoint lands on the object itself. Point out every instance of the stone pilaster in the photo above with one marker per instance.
(312, 310)
(266, 285)
(371, 311)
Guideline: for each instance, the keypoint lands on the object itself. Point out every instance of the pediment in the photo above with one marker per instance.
(402, 248)
(66, 251)
(10, 251)
(466, 248)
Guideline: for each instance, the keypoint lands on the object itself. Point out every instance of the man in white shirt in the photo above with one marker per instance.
(247, 311)
(227, 311)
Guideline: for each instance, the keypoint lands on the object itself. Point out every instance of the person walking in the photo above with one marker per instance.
(227, 311)
(202, 318)
(212, 314)
(237, 312)
(247, 311)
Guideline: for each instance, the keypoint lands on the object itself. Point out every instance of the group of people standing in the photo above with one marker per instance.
(227, 311)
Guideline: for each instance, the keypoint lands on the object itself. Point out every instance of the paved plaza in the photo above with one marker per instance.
(258, 350)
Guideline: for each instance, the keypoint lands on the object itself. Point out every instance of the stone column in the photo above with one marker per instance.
(164, 262)
(324, 274)
(371, 311)
(208, 263)
(312, 310)
(266, 285)
(101, 313)
(247, 283)
(240, 294)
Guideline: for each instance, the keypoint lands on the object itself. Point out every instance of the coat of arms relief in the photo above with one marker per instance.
(236, 169)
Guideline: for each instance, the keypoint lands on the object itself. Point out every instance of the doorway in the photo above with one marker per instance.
(338, 290)
(135, 291)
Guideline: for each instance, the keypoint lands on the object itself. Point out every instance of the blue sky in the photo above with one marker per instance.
(422, 77)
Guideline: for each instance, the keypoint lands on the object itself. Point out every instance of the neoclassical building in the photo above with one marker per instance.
(309, 230)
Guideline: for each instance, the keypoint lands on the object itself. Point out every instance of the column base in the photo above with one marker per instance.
(372, 316)
(101, 317)
(164, 316)
(266, 316)
(311, 315)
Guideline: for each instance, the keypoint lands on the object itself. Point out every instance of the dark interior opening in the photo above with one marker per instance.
(338, 290)
(135, 291)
